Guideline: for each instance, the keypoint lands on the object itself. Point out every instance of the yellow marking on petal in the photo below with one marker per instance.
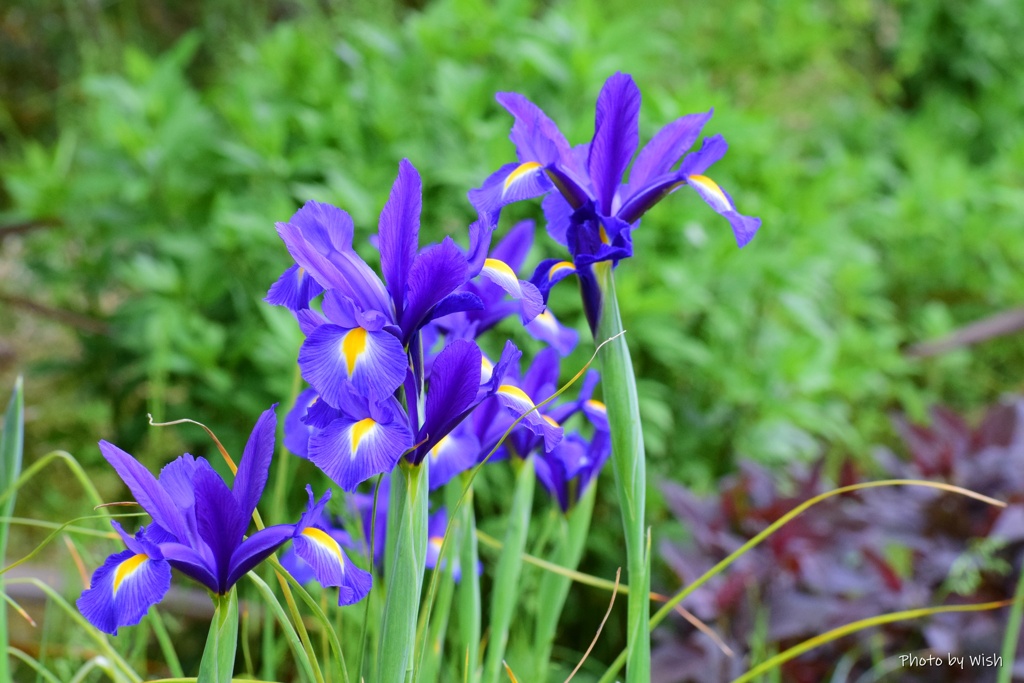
(353, 344)
(323, 539)
(604, 235)
(486, 369)
(560, 266)
(551, 421)
(436, 541)
(712, 187)
(516, 393)
(436, 450)
(596, 405)
(501, 268)
(127, 568)
(359, 431)
(520, 171)
(546, 319)
(300, 272)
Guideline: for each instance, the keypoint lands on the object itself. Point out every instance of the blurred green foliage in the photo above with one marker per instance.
(878, 139)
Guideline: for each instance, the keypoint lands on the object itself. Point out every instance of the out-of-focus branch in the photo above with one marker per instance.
(70, 318)
(998, 325)
(27, 226)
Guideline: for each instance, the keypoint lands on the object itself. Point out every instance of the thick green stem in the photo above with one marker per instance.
(510, 564)
(620, 397)
(218, 663)
(404, 572)
(571, 538)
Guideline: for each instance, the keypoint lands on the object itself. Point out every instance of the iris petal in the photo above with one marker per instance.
(518, 403)
(350, 450)
(331, 567)
(374, 362)
(146, 490)
(254, 467)
(398, 234)
(501, 274)
(616, 136)
(123, 589)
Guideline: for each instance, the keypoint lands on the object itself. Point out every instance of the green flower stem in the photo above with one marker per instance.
(404, 572)
(554, 588)
(510, 564)
(218, 661)
(469, 586)
(630, 469)
(1012, 634)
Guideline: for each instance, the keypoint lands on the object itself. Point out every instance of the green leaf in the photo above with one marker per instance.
(12, 445)
(506, 576)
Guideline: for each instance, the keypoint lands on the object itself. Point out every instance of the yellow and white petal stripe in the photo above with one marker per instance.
(350, 452)
(560, 270)
(521, 172)
(323, 555)
(709, 190)
(486, 369)
(123, 589)
(127, 569)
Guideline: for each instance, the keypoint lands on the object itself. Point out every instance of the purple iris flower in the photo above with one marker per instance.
(366, 342)
(199, 528)
(500, 267)
(568, 469)
(594, 211)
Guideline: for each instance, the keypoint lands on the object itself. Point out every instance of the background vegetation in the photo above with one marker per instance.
(148, 148)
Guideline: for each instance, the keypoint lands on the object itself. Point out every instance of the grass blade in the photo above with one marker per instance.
(12, 446)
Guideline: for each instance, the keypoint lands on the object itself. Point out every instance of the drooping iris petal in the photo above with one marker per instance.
(436, 272)
(546, 328)
(254, 467)
(549, 272)
(616, 136)
(501, 274)
(512, 182)
(398, 234)
(146, 490)
(322, 554)
(294, 289)
(123, 589)
(743, 227)
(355, 447)
(519, 404)
(332, 356)
(331, 567)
